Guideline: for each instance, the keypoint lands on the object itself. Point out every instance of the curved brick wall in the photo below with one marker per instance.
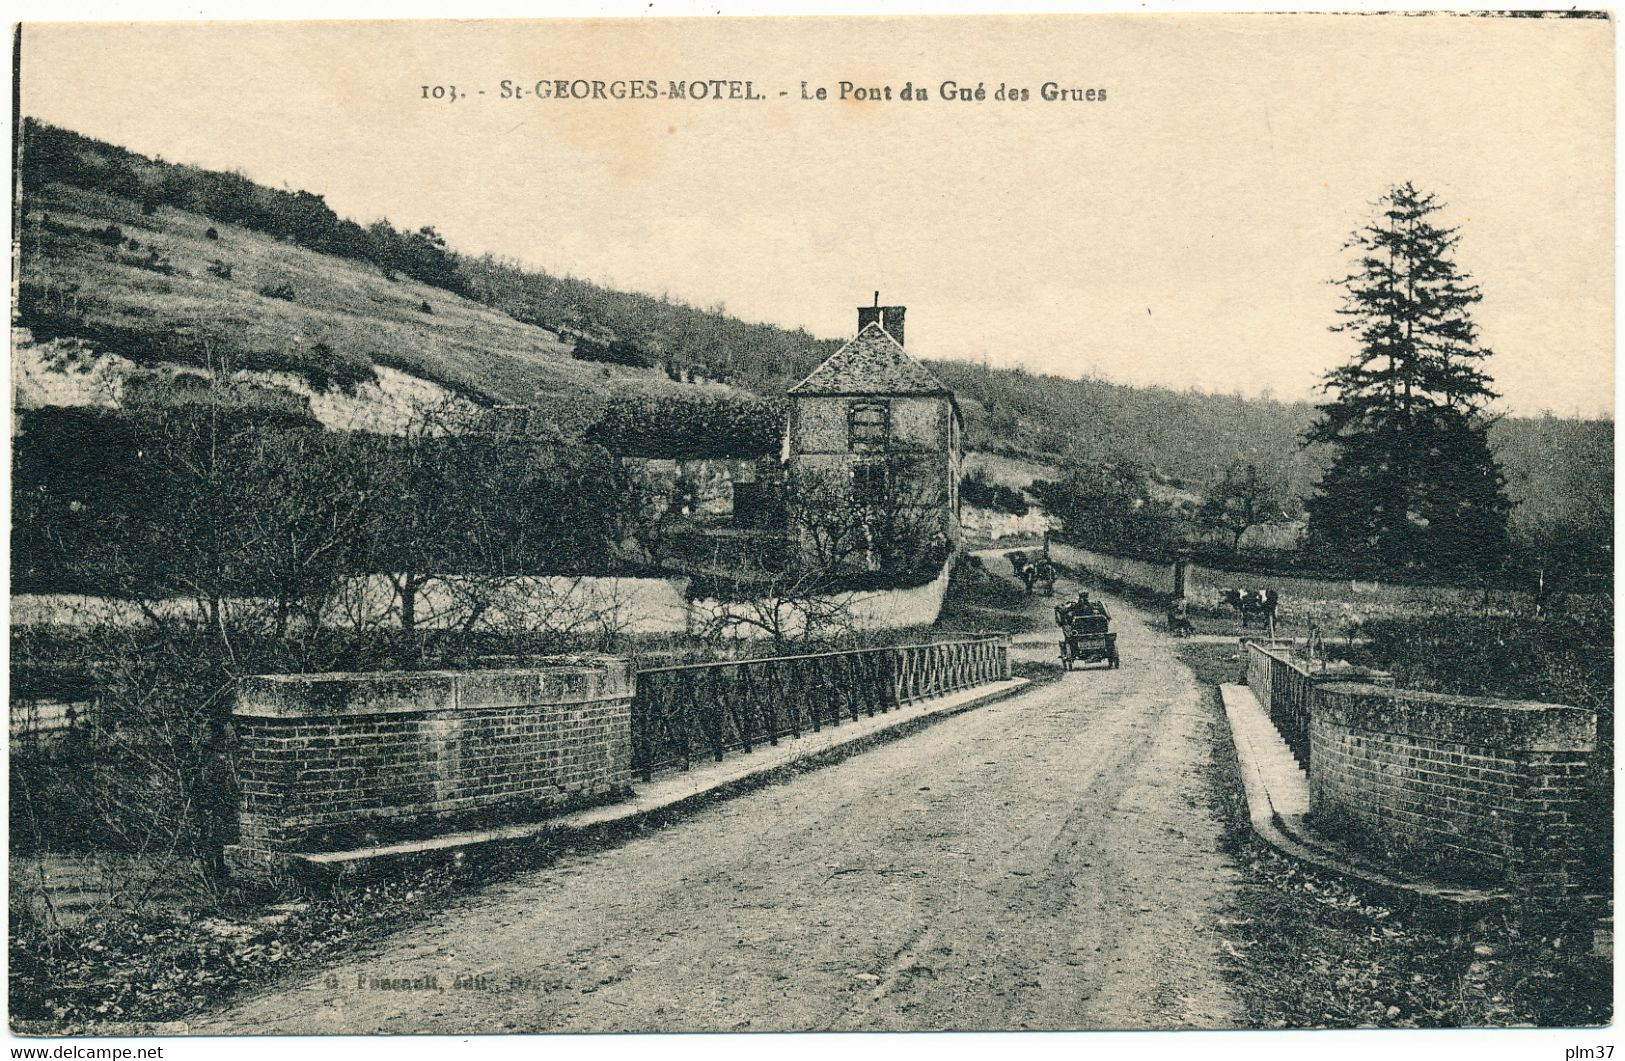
(1472, 789)
(1486, 790)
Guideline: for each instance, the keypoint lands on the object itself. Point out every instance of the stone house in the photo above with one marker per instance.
(877, 423)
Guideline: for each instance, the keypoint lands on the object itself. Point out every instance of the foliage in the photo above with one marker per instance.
(1109, 506)
(689, 424)
(237, 542)
(1562, 656)
(978, 488)
(50, 154)
(219, 498)
(1558, 471)
(1414, 481)
(1245, 497)
(615, 352)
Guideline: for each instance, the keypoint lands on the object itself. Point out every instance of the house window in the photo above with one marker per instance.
(869, 483)
(868, 424)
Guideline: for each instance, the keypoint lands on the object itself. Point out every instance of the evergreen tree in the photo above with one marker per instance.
(1414, 482)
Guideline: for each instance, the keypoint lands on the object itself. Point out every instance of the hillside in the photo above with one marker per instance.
(155, 289)
(116, 252)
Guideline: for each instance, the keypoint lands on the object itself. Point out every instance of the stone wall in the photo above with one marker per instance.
(991, 525)
(1471, 789)
(1336, 603)
(565, 604)
(850, 612)
(338, 761)
(1123, 570)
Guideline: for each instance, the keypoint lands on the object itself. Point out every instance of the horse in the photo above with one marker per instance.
(1251, 602)
(1025, 568)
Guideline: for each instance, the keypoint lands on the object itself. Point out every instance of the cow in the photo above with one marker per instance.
(1251, 602)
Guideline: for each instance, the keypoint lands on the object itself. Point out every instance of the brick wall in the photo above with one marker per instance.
(336, 761)
(1489, 791)
(1470, 789)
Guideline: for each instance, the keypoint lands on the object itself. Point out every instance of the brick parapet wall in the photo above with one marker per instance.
(1473, 789)
(1488, 791)
(334, 761)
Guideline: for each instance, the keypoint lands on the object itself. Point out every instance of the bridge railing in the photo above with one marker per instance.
(682, 712)
(1285, 686)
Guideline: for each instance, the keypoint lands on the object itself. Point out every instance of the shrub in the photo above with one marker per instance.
(616, 352)
(679, 424)
(220, 269)
(283, 291)
(157, 262)
(424, 307)
(976, 489)
(211, 233)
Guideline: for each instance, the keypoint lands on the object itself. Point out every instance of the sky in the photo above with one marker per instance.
(1182, 232)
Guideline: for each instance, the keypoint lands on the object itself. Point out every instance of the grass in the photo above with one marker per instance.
(343, 317)
(1305, 949)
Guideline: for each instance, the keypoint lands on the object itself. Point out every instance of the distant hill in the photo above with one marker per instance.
(116, 251)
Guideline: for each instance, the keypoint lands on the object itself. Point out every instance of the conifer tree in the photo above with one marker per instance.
(1414, 482)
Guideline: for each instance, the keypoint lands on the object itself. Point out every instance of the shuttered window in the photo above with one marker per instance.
(868, 424)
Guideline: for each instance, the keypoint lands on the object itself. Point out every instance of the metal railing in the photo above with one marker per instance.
(738, 704)
(1285, 687)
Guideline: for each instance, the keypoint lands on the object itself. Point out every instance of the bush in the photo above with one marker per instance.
(424, 307)
(57, 155)
(679, 424)
(211, 233)
(617, 352)
(220, 269)
(157, 262)
(976, 489)
(283, 291)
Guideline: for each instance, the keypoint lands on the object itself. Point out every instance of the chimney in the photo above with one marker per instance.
(868, 315)
(888, 317)
(891, 319)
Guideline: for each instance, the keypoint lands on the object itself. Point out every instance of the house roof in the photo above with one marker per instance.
(872, 362)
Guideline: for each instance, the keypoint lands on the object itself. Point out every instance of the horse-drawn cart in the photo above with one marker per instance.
(1086, 638)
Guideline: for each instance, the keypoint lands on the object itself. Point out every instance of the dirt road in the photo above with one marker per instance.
(1048, 861)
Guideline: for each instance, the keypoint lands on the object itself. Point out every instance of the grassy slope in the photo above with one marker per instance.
(348, 305)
